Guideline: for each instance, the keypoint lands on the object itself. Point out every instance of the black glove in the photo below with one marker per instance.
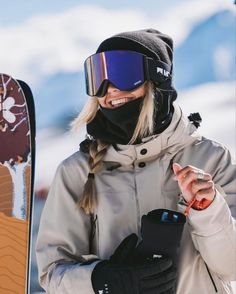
(161, 232)
(120, 275)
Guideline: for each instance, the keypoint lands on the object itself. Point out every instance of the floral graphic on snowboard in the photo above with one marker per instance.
(14, 141)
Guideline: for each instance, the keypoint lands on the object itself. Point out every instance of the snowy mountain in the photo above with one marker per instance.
(206, 55)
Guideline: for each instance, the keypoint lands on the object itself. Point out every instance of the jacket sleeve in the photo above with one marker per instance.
(62, 248)
(213, 229)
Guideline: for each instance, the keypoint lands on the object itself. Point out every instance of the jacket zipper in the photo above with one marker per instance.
(213, 283)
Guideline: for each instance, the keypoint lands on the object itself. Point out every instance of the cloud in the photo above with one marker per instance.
(50, 43)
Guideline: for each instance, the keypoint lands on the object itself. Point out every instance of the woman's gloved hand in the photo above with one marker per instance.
(161, 232)
(121, 274)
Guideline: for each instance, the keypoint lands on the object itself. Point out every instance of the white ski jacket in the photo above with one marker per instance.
(142, 182)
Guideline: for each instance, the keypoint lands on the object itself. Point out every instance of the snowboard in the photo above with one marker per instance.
(17, 159)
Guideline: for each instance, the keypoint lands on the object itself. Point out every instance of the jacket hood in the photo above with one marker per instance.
(180, 133)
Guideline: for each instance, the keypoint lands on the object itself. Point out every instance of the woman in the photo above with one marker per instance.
(142, 154)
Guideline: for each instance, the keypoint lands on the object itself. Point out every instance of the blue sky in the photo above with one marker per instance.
(16, 11)
(41, 38)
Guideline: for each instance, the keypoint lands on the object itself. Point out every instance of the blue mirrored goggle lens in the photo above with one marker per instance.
(124, 69)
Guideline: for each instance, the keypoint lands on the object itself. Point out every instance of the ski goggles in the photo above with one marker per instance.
(125, 70)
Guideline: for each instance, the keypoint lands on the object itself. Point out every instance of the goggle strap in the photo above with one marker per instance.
(158, 70)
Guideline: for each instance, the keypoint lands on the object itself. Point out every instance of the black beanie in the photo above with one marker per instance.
(149, 42)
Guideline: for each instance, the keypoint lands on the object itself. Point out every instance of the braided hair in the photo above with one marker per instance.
(97, 151)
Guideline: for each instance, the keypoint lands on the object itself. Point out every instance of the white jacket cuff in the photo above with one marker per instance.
(212, 219)
(71, 279)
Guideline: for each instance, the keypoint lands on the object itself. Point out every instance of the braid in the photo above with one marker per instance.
(97, 151)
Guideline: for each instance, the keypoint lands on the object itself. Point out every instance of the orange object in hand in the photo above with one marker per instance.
(198, 205)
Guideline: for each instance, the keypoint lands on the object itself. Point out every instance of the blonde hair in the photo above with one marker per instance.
(145, 123)
(88, 201)
(97, 148)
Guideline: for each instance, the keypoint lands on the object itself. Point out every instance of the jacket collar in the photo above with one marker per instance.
(180, 133)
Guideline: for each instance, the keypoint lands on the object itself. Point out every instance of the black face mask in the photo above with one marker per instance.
(116, 126)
